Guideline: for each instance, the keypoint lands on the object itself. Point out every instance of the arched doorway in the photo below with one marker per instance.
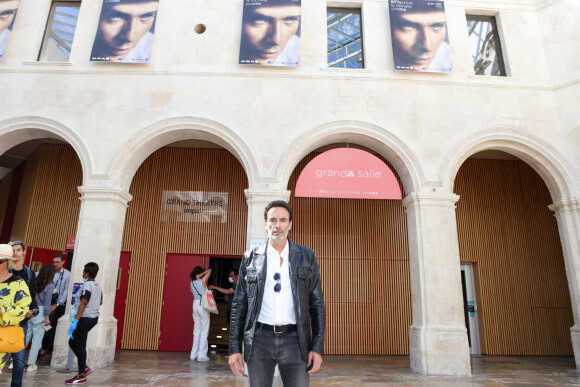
(510, 238)
(362, 249)
(167, 237)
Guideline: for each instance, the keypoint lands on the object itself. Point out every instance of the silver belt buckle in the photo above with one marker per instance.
(275, 330)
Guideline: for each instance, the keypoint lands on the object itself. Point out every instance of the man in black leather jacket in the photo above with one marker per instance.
(278, 308)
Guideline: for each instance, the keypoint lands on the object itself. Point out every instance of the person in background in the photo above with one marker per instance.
(22, 271)
(89, 300)
(198, 286)
(57, 303)
(14, 302)
(229, 293)
(44, 289)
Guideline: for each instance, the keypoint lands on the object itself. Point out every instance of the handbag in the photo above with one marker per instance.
(11, 339)
(208, 302)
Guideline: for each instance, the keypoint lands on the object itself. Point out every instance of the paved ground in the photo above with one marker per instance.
(138, 368)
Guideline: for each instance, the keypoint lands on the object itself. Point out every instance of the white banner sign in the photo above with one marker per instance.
(194, 206)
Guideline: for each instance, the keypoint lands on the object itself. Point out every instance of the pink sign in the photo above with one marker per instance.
(347, 173)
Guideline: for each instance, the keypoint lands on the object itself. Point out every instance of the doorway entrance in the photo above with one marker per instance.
(176, 328)
(470, 308)
(219, 328)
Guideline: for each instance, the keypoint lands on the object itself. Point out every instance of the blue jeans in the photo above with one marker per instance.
(18, 363)
(283, 349)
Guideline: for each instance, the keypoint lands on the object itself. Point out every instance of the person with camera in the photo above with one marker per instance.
(22, 271)
(58, 302)
(37, 324)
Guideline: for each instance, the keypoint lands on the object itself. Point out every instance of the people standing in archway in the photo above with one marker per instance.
(24, 272)
(200, 315)
(87, 307)
(36, 330)
(229, 293)
(14, 302)
(58, 301)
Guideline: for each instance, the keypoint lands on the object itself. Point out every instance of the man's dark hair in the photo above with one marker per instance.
(235, 271)
(59, 255)
(92, 269)
(18, 243)
(278, 203)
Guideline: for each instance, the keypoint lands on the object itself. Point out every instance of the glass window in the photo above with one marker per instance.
(345, 43)
(60, 31)
(485, 46)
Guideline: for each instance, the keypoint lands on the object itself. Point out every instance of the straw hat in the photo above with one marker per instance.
(6, 252)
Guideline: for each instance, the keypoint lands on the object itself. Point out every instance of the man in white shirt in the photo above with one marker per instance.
(278, 308)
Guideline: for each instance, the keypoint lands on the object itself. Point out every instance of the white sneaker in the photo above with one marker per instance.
(10, 366)
(31, 368)
(192, 357)
(203, 358)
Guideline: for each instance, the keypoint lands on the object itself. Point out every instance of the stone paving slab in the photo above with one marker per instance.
(140, 368)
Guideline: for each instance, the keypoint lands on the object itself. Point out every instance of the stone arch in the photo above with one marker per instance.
(17, 130)
(167, 131)
(371, 136)
(537, 153)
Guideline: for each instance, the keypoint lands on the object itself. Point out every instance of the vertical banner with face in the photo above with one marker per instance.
(8, 10)
(271, 33)
(125, 31)
(419, 36)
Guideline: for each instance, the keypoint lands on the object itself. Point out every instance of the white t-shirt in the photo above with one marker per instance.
(93, 293)
(277, 307)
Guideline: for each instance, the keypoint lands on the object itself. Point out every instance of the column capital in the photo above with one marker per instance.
(105, 194)
(435, 199)
(567, 204)
(262, 196)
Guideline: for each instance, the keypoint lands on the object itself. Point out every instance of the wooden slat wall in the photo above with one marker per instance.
(362, 250)
(507, 230)
(25, 203)
(5, 184)
(49, 197)
(149, 240)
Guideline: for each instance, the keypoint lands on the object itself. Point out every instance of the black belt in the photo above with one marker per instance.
(277, 328)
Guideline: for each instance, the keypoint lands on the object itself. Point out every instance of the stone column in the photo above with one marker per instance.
(257, 201)
(567, 212)
(98, 239)
(438, 343)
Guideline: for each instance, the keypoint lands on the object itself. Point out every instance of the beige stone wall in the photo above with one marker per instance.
(198, 76)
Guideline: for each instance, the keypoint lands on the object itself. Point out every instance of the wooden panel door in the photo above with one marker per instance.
(121, 294)
(177, 313)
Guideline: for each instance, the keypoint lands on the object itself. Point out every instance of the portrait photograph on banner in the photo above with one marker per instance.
(8, 10)
(125, 31)
(271, 33)
(419, 36)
